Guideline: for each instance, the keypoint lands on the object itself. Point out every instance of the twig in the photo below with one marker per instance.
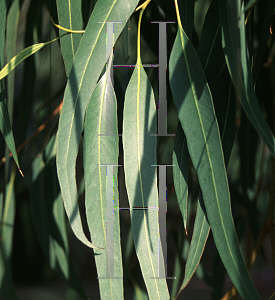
(38, 130)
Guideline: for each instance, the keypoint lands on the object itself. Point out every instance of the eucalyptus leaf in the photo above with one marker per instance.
(88, 64)
(5, 125)
(232, 20)
(70, 17)
(194, 103)
(100, 150)
(139, 121)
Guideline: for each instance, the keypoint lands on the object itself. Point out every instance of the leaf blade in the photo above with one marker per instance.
(141, 180)
(233, 39)
(88, 64)
(101, 150)
(5, 125)
(70, 17)
(196, 113)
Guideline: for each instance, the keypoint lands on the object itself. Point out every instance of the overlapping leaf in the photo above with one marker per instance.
(180, 172)
(7, 218)
(49, 216)
(139, 121)
(20, 57)
(5, 125)
(196, 113)
(210, 48)
(232, 20)
(70, 17)
(100, 150)
(88, 64)
(11, 37)
(211, 43)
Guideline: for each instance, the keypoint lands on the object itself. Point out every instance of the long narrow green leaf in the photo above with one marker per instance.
(6, 238)
(11, 37)
(232, 19)
(210, 49)
(88, 64)
(139, 121)
(199, 238)
(70, 17)
(225, 111)
(180, 153)
(5, 125)
(101, 148)
(49, 216)
(139, 293)
(16, 60)
(29, 76)
(180, 172)
(196, 113)
(223, 99)
(249, 4)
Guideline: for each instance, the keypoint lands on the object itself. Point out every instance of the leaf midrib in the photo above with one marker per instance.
(70, 131)
(207, 151)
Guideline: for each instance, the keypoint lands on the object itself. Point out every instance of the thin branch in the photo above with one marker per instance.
(38, 130)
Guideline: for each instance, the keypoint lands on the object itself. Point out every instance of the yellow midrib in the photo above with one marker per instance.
(207, 148)
(76, 100)
(139, 66)
(70, 131)
(71, 27)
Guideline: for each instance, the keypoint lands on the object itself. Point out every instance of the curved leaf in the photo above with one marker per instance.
(11, 37)
(88, 64)
(180, 172)
(101, 149)
(139, 121)
(196, 113)
(222, 98)
(70, 17)
(16, 60)
(199, 238)
(49, 216)
(210, 49)
(232, 19)
(5, 125)
(249, 4)
(7, 219)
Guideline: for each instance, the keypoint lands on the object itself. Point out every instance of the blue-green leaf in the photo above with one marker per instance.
(193, 101)
(101, 149)
(139, 121)
(180, 172)
(49, 216)
(88, 64)
(70, 17)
